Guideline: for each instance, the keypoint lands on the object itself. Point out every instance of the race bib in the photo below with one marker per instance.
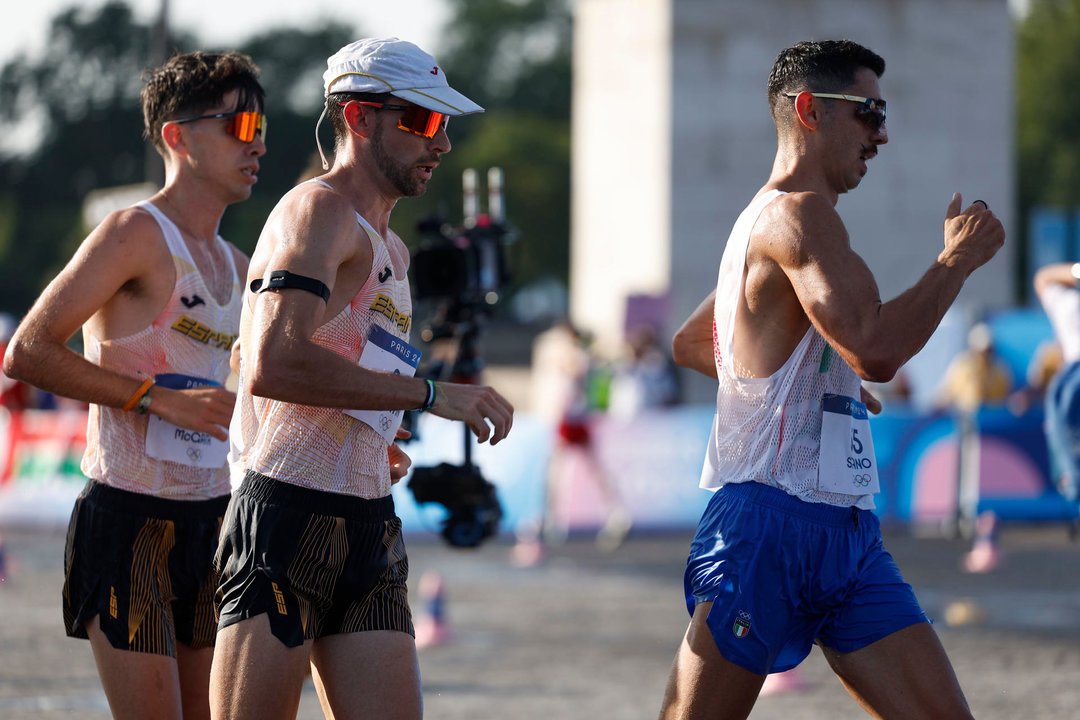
(165, 441)
(386, 353)
(846, 461)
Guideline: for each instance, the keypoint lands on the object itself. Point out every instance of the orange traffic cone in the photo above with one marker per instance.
(985, 555)
(529, 550)
(430, 624)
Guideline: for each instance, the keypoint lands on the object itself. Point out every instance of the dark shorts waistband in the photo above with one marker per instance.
(778, 499)
(153, 506)
(267, 490)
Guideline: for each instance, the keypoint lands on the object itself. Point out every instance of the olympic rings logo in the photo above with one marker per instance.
(861, 480)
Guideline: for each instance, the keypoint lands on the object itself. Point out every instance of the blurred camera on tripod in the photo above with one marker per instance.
(465, 265)
(473, 510)
(463, 270)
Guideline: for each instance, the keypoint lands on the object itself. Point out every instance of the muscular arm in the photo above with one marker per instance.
(840, 297)
(692, 346)
(110, 261)
(314, 233)
(112, 283)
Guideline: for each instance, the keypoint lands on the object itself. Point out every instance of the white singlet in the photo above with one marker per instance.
(323, 448)
(192, 336)
(768, 430)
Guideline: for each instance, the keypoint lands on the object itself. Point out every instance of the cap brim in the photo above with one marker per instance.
(445, 100)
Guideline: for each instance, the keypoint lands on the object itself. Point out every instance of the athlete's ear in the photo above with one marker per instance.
(360, 118)
(172, 134)
(808, 110)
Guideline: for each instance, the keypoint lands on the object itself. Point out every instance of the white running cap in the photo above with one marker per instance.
(390, 65)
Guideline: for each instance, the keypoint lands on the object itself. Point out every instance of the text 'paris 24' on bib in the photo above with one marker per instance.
(386, 353)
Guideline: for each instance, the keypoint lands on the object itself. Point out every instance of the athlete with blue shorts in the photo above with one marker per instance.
(1058, 288)
(788, 552)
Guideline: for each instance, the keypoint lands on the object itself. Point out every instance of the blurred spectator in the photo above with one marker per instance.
(975, 378)
(1056, 287)
(563, 367)
(646, 379)
(1045, 363)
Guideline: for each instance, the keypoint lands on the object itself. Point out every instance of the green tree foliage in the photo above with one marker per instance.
(514, 54)
(83, 98)
(291, 62)
(81, 102)
(1048, 124)
(513, 57)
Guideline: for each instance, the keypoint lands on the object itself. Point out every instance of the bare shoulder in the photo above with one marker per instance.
(798, 226)
(128, 240)
(130, 226)
(312, 202)
(315, 216)
(121, 272)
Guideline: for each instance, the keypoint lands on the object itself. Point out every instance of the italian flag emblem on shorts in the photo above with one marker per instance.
(741, 628)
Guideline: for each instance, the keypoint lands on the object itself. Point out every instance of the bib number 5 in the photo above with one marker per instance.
(846, 460)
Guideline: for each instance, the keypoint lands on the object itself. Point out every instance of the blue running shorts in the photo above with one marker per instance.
(783, 573)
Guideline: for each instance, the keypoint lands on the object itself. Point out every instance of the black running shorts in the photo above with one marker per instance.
(317, 563)
(144, 565)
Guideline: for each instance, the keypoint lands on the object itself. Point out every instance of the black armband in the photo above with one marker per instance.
(286, 279)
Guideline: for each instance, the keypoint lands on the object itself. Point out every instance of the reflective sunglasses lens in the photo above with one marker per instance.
(421, 121)
(873, 119)
(244, 125)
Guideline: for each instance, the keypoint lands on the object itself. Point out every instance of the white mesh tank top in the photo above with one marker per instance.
(192, 336)
(767, 430)
(323, 448)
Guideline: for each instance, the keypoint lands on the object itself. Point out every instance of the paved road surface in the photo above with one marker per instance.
(587, 635)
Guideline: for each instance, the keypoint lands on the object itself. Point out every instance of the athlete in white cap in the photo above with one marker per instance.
(313, 565)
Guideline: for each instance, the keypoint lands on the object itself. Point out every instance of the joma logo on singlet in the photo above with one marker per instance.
(386, 306)
(280, 598)
(201, 333)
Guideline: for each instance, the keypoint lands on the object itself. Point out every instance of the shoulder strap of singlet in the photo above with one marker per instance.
(733, 264)
(172, 235)
(176, 243)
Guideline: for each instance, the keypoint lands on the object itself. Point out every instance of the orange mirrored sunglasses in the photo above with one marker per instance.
(243, 125)
(415, 119)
